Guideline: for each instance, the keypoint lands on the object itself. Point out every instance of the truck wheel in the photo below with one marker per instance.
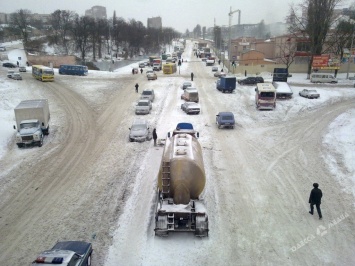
(224, 91)
(20, 145)
(89, 261)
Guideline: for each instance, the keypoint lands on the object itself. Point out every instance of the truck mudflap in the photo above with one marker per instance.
(180, 218)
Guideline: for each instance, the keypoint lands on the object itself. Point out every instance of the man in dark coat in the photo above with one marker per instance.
(315, 198)
(155, 137)
(136, 87)
(192, 76)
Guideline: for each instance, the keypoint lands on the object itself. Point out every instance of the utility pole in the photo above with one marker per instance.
(350, 54)
(230, 14)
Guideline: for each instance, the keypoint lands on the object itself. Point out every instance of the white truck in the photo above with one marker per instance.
(32, 122)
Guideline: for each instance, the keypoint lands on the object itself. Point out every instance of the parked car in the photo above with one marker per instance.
(214, 68)
(9, 65)
(10, 73)
(139, 131)
(148, 94)
(22, 69)
(225, 119)
(251, 81)
(16, 76)
(143, 107)
(66, 253)
(141, 65)
(152, 75)
(190, 95)
(219, 74)
(2, 48)
(186, 84)
(191, 108)
(310, 94)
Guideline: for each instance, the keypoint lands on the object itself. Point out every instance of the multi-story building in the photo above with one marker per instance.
(97, 12)
(154, 23)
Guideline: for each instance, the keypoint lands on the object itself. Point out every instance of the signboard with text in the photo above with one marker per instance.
(325, 62)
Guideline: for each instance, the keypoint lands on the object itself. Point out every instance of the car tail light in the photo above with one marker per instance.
(55, 260)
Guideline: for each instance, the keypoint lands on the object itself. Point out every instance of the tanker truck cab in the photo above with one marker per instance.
(184, 128)
(265, 96)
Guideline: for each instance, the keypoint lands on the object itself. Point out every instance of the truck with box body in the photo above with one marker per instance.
(157, 64)
(181, 180)
(32, 122)
(226, 84)
(279, 80)
(265, 96)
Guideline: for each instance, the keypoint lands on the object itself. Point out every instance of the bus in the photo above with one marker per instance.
(42, 73)
(169, 68)
(73, 70)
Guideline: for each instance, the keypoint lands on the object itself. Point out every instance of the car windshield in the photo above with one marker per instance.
(142, 103)
(138, 127)
(28, 125)
(312, 91)
(48, 72)
(146, 92)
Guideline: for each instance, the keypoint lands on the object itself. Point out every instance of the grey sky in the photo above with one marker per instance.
(178, 14)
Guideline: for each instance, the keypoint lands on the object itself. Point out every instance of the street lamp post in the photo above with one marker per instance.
(350, 54)
(229, 43)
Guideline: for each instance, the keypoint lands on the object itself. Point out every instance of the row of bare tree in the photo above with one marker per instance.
(83, 34)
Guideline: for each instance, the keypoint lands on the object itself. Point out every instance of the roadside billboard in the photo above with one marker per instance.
(325, 62)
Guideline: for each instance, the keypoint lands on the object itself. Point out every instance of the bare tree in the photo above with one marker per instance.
(20, 21)
(314, 23)
(81, 29)
(61, 21)
(287, 51)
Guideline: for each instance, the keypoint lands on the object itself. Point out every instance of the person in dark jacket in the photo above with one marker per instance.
(136, 87)
(192, 76)
(315, 199)
(155, 136)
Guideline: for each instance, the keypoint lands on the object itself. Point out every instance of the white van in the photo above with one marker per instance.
(323, 78)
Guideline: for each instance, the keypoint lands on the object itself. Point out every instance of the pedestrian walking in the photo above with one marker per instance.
(136, 87)
(155, 136)
(315, 199)
(141, 70)
(192, 76)
(219, 62)
(18, 63)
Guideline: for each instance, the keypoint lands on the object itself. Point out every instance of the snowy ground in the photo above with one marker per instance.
(259, 175)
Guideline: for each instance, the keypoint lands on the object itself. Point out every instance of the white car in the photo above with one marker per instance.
(152, 75)
(16, 76)
(139, 131)
(143, 107)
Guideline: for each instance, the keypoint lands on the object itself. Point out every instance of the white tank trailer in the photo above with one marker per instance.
(181, 180)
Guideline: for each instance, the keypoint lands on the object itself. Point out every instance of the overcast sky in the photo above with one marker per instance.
(178, 14)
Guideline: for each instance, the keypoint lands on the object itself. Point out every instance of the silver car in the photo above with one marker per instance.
(143, 107)
(16, 76)
(139, 131)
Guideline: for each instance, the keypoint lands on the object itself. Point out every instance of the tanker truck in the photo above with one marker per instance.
(181, 180)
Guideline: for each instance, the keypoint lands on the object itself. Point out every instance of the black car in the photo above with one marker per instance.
(10, 65)
(66, 253)
(251, 81)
